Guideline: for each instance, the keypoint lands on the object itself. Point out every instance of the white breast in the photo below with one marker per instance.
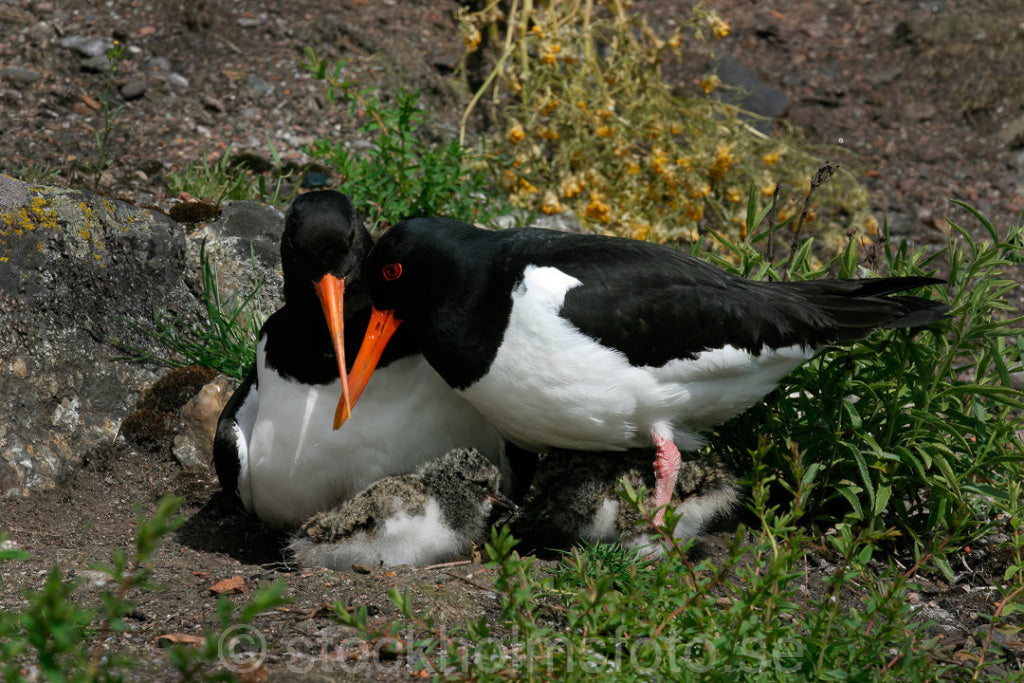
(551, 385)
(298, 464)
(404, 538)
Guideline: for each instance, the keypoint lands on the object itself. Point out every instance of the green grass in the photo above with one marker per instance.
(225, 340)
(226, 179)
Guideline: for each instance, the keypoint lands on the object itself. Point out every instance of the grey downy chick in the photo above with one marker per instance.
(574, 497)
(433, 515)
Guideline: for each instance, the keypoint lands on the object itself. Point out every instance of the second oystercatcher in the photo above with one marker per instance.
(595, 343)
(274, 449)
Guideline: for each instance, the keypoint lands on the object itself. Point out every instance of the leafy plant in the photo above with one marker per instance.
(923, 419)
(37, 172)
(225, 179)
(225, 340)
(114, 56)
(401, 174)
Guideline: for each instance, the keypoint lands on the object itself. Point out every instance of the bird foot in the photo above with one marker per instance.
(666, 471)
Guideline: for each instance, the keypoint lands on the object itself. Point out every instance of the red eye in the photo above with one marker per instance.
(392, 271)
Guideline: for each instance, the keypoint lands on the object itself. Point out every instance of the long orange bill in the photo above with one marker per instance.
(378, 332)
(331, 292)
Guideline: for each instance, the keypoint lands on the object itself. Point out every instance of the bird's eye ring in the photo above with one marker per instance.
(392, 271)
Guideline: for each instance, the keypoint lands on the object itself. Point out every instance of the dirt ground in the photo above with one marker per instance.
(921, 94)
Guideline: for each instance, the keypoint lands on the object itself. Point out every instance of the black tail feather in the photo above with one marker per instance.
(857, 307)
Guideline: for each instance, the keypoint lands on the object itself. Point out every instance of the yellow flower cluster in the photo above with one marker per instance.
(571, 186)
(549, 55)
(597, 208)
(723, 160)
(710, 83)
(602, 135)
(516, 134)
(719, 26)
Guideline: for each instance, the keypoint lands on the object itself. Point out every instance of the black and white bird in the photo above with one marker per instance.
(594, 343)
(574, 497)
(435, 514)
(275, 448)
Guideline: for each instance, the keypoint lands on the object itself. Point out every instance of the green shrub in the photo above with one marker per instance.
(402, 174)
(910, 429)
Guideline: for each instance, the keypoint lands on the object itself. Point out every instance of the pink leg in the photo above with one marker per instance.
(666, 471)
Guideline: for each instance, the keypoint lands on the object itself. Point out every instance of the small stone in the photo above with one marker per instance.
(85, 46)
(177, 79)
(250, 22)
(19, 367)
(260, 85)
(134, 89)
(1017, 380)
(158, 63)
(95, 65)
(20, 75)
(919, 111)
(212, 103)
(1012, 133)
(565, 222)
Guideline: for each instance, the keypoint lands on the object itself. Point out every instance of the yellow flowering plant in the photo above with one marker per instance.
(577, 91)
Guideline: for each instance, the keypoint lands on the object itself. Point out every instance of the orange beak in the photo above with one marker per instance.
(331, 292)
(379, 331)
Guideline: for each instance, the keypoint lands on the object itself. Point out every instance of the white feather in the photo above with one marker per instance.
(552, 385)
(404, 538)
(296, 464)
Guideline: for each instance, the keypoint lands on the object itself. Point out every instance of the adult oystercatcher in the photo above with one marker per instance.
(600, 343)
(274, 448)
(435, 514)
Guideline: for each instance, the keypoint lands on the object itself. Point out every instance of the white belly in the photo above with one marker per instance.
(298, 464)
(551, 385)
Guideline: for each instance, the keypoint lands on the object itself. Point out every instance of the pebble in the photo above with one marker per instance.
(919, 111)
(175, 78)
(258, 84)
(134, 89)
(95, 65)
(85, 46)
(20, 75)
(158, 63)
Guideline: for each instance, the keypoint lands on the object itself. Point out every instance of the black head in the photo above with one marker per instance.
(420, 264)
(322, 234)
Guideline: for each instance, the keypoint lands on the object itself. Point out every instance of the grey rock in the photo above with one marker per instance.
(78, 272)
(86, 46)
(20, 75)
(244, 245)
(133, 89)
(258, 226)
(750, 93)
(259, 85)
(95, 65)
(158, 63)
(177, 80)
